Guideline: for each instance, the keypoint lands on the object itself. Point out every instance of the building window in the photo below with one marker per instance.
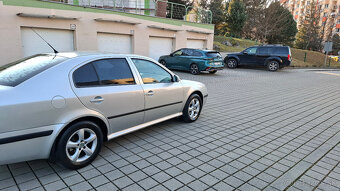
(337, 30)
(325, 14)
(326, 5)
(338, 21)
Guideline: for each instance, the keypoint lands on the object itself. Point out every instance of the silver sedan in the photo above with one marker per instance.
(64, 106)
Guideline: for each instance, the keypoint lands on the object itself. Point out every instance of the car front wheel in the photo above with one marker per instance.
(213, 72)
(163, 63)
(192, 108)
(194, 69)
(232, 63)
(79, 145)
(273, 66)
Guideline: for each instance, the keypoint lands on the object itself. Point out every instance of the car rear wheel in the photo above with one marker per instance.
(232, 63)
(163, 63)
(194, 69)
(192, 108)
(213, 72)
(79, 145)
(273, 65)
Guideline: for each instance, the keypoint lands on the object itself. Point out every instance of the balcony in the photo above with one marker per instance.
(156, 8)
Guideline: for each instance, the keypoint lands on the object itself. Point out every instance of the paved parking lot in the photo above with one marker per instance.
(258, 131)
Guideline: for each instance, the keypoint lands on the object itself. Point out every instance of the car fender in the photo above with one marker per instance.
(276, 58)
(68, 119)
(231, 56)
(163, 58)
(80, 113)
(189, 87)
(200, 63)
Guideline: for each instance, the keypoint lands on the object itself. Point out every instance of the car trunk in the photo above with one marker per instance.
(214, 58)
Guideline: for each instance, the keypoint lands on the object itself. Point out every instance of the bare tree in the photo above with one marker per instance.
(309, 36)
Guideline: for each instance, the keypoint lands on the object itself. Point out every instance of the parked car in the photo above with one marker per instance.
(63, 106)
(271, 56)
(193, 60)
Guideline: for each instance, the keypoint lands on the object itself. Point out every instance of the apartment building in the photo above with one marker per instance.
(144, 7)
(329, 13)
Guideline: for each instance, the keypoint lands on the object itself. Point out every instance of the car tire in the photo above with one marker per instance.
(194, 69)
(79, 145)
(163, 63)
(213, 72)
(232, 63)
(273, 65)
(192, 108)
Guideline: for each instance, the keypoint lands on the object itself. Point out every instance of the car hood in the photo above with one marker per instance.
(190, 82)
(164, 56)
(3, 88)
(235, 54)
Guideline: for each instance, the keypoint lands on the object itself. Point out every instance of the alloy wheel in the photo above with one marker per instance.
(194, 69)
(194, 108)
(273, 66)
(81, 145)
(163, 63)
(231, 63)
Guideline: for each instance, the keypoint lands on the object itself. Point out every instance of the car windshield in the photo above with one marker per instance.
(251, 50)
(17, 72)
(213, 54)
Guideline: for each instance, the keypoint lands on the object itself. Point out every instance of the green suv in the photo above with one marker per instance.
(193, 60)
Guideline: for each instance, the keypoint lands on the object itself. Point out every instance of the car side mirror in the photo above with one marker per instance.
(171, 55)
(175, 78)
(245, 52)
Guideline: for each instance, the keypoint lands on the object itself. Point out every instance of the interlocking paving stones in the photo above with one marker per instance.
(258, 131)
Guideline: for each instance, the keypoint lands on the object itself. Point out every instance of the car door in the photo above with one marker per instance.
(163, 97)
(262, 54)
(185, 59)
(248, 56)
(109, 87)
(174, 60)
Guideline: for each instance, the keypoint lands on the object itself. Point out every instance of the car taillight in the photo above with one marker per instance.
(289, 57)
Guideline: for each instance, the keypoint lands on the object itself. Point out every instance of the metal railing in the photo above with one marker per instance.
(159, 8)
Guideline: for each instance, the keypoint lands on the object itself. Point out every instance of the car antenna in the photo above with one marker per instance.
(55, 51)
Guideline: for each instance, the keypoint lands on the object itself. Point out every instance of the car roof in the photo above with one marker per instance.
(203, 50)
(94, 54)
(270, 45)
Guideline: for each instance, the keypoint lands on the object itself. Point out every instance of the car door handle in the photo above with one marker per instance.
(150, 93)
(97, 99)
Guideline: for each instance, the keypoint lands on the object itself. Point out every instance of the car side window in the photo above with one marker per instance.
(85, 76)
(178, 53)
(263, 51)
(151, 72)
(196, 53)
(115, 71)
(189, 52)
(281, 50)
(251, 50)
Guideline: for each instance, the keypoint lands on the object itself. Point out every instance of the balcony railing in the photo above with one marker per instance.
(157, 8)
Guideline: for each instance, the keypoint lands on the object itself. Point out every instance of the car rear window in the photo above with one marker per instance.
(17, 72)
(213, 54)
(281, 50)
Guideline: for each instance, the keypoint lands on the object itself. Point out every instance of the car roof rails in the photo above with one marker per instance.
(271, 45)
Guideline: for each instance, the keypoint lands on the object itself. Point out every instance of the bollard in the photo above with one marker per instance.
(305, 58)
